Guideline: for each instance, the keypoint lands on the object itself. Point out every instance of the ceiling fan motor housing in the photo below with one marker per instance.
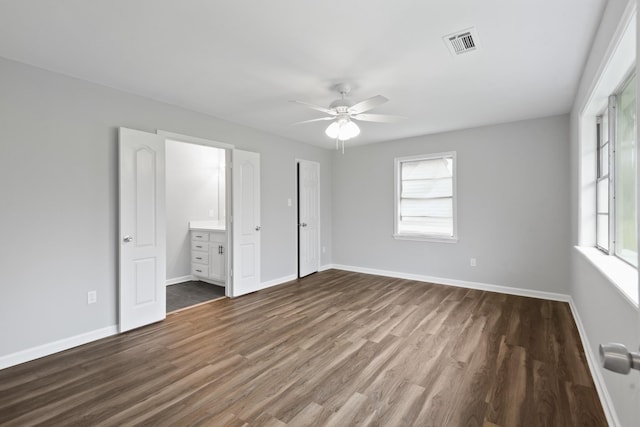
(341, 105)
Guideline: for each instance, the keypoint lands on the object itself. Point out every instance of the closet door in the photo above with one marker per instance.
(308, 217)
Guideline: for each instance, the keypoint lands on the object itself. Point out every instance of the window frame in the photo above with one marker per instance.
(454, 198)
(611, 111)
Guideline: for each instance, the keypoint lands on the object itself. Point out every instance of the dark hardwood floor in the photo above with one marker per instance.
(335, 348)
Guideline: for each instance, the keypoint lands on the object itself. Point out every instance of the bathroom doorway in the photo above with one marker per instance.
(196, 206)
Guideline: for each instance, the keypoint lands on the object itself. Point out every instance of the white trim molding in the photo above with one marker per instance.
(459, 283)
(56, 346)
(278, 281)
(594, 367)
(270, 283)
(181, 279)
(194, 139)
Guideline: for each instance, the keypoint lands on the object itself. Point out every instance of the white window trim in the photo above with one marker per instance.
(618, 61)
(623, 276)
(396, 211)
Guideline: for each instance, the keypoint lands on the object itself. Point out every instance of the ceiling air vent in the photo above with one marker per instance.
(462, 41)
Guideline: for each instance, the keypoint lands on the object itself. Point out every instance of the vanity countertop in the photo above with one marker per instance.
(207, 225)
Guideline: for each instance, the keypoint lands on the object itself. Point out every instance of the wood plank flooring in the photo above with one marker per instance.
(333, 349)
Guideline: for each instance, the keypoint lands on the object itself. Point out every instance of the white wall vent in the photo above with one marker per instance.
(462, 41)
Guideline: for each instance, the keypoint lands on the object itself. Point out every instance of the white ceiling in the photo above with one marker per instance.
(244, 60)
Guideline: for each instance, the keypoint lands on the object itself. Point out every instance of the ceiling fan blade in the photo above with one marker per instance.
(380, 118)
(367, 104)
(313, 120)
(316, 107)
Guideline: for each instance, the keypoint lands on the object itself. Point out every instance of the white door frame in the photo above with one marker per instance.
(228, 148)
(297, 162)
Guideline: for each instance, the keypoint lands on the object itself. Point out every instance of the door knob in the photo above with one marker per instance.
(127, 239)
(304, 224)
(258, 228)
(615, 357)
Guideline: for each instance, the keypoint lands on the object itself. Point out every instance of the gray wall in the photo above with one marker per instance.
(513, 208)
(605, 314)
(58, 183)
(192, 179)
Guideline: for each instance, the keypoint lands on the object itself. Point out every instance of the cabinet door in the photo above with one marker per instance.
(217, 249)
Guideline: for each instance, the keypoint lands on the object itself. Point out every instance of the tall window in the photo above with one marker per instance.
(616, 197)
(425, 202)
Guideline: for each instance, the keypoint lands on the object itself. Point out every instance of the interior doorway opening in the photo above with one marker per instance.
(231, 254)
(196, 217)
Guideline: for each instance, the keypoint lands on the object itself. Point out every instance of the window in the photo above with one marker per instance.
(425, 201)
(616, 200)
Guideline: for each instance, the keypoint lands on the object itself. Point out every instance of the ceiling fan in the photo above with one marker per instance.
(343, 112)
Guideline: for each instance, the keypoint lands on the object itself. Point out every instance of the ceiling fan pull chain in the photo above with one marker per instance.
(343, 146)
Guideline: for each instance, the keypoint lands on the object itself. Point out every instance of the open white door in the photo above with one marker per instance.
(246, 222)
(142, 229)
(308, 217)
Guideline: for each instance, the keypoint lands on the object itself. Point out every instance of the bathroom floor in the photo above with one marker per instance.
(191, 293)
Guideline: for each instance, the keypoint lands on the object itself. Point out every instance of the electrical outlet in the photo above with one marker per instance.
(210, 213)
(472, 262)
(92, 297)
(289, 202)
(324, 249)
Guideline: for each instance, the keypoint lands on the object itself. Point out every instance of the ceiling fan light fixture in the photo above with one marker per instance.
(342, 129)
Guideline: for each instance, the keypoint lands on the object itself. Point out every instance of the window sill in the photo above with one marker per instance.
(423, 238)
(623, 276)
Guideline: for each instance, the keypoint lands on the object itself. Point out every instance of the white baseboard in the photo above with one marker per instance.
(270, 283)
(454, 282)
(279, 281)
(177, 280)
(596, 373)
(56, 346)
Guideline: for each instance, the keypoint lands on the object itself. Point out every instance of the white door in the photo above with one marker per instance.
(308, 217)
(246, 222)
(142, 229)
